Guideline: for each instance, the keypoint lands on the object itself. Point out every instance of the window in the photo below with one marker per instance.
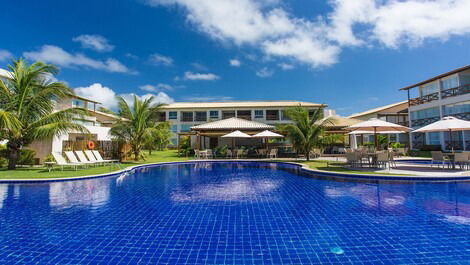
(228, 114)
(173, 115)
(244, 114)
(434, 138)
(185, 127)
(201, 116)
(214, 114)
(425, 113)
(161, 116)
(462, 107)
(450, 83)
(429, 89)
(174, 128)
(259, 114)
(186, 116)
(77, 103)
(272, 115)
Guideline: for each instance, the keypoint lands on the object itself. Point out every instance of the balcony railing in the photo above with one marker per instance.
(423, 122)
(455, 91)
(424, 99)
(462, 116)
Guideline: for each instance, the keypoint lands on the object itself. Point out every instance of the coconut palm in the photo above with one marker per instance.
(138, 121)
(27, 98)
(304, 131)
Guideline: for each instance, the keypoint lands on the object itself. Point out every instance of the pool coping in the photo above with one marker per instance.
(303, 167)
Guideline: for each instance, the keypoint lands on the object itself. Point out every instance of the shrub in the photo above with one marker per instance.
(431, 147)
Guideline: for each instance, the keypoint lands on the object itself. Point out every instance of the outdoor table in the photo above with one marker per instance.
(203, 154)
(451, 157)
(49, 165)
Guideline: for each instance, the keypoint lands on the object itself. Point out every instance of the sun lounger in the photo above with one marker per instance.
(73, 159)
(89, 154)
(99, 158)
(60, 161)
(81, 156)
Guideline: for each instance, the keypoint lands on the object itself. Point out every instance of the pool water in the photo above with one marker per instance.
(233, 213)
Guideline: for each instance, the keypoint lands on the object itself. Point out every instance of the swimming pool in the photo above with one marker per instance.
(233, 213)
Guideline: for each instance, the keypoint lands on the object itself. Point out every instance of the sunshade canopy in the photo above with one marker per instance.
(446, 124)
(233, 124)
(267, 134)
(377, 125)
(236, 134)
(372, 132)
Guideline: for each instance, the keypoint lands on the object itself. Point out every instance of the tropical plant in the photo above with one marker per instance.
(304, 132)
(27, 98)
(158, 138)
(136, 123)
(184, 148)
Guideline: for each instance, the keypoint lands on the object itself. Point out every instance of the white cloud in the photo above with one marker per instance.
(5, 55)
(200, 66)
(158, 59)
(317, 42)
(107, 96)
(235, 62)
(286, 66)
(199, 76)
(132, 56)
(56, 55)
(264, 72)
(94, 42)
(159, 98)
(100, 93)
(152, 88)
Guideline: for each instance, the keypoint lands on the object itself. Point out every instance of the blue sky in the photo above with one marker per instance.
(351, 55)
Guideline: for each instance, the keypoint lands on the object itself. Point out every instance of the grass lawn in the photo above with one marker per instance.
(156, 157)
(42, 173)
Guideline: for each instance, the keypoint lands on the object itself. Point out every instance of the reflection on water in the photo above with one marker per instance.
(260, 213)
(91, 193)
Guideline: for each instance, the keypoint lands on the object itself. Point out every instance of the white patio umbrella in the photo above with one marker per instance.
(447, 124)
(236, 134)
(376, 126)
(372, 132)
(267, 134)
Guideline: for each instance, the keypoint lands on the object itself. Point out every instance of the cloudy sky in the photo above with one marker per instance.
(352, 55)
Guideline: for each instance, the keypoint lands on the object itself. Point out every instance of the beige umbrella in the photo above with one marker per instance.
(376, 125)
(372, 132)
(236, 134)
(446, 124)
(267, 134)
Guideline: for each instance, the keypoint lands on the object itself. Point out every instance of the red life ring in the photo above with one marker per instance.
(91, 145)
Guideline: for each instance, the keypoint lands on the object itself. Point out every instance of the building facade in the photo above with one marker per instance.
(444, 95)
(395, 113)
(183, 115)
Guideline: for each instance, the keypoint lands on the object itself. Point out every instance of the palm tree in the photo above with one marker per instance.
(27, 99)
(304, 131)
(138, 121)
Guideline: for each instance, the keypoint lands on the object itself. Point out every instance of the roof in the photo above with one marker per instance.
(437, 77)
(240, 104)
(337, 121)
(371, 111)
(233, 124)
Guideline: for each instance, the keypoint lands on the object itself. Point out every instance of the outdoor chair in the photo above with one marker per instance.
(392, 161)
(240, 153)
(99, 158)
(383, 158)
(209, 153)
(462, 159)
(60, 161)
(73, 159)
(197, 154)
(273, 153)
(353, 159)
(229, 154)
(81, 156)
(438, 158)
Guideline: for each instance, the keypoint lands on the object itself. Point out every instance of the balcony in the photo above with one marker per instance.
(424, 99)
(423, 122)
(456, 91)
(462, 116)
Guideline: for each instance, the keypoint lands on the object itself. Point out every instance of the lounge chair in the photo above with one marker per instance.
(73, 159)
(89, 154)
(60, 161)
(99, 158)
(81, 156)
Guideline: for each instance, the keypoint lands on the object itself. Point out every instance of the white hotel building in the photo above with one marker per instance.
(184, 115)
(444, 95)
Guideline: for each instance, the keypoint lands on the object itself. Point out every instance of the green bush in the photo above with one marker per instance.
(26, 157)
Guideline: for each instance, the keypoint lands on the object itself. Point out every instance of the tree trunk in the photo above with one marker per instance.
(136, 155)
(308, 155)
(13, 153)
